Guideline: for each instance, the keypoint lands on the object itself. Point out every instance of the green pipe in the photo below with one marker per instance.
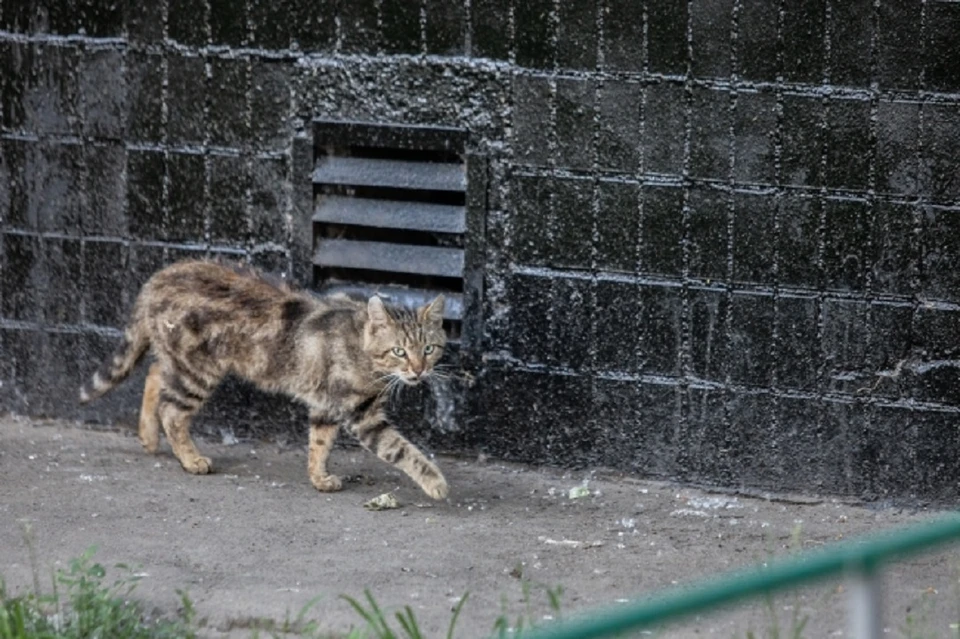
(779, 575)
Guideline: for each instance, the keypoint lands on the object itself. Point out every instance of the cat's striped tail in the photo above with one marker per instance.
(117, 367)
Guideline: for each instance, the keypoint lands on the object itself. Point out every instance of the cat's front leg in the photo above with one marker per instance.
(323, 433)
(376, 434)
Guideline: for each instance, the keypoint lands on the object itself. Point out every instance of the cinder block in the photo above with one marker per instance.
(63, 18)
(710, 144)
(851, 32)
(711, 24)
(577, 35)
(637, 425)
(707, 244)
(898, 135)
(530, 314)
(22, 161)
(661, 235)
(145, 204)
(849, 147)
(940, 248)
(620, 143)
(804, 25)
(713, 448)
(619, 327)
(618, 226)
(665, 121)
(144, 82)
(623, 36)
(846, 331)
(661, 315)
(228, 23)
(445, 27)
(229, 182)
(895, 252)
(105, 267)
(530, 218)
(751, 353)
(52, 103)
(534, 34)
(709, 337)
(798, 356)
(754, 218)
(270, 201)
(270, 105)
(942, 69)
(899, 45)
(186, 98)
(400, 22)
(312, 24)
(750, 440)
(800, 428)
(941, 139)
(105, 212)
(667, 37)
(187, 21)
(62, 263)
(890, 342)
(186, 199)
(531, 119)
(271, 261)
(102, 18)
(24, 280)
(757, 40)
(572, 224)
(799, 241)
(17, 59)
(57, 196)
(847, 225)
(802, 140)
(143, 22)
(754, 130)
(229, 83)
(104, 94)
(490, 37)
(572, 330)
(576, 100)
(358, 26)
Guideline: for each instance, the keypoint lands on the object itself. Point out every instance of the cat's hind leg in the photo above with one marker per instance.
(322, 435)
(149, 429)
(181, 395)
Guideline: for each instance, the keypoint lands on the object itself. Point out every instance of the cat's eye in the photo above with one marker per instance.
(428, 349)
(399, 352)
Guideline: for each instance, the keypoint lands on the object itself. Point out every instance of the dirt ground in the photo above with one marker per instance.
(255, 541)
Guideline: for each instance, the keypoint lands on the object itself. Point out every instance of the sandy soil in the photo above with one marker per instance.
(255, 541)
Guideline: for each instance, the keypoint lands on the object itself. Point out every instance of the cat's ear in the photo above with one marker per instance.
(432, 313)
(376, 311)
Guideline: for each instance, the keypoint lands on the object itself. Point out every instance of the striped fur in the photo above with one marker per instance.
(340, 356)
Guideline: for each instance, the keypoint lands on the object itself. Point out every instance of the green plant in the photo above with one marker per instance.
(526, 620)
(82, 606)
(378, 624)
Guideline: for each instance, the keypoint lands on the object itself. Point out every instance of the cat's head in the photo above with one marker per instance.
(402, 342)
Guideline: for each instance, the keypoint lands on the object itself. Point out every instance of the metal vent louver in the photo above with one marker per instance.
(389, 212)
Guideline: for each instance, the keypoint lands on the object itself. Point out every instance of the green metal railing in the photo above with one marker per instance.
(859, 560)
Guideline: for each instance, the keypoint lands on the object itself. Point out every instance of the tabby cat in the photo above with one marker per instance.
(340, 356)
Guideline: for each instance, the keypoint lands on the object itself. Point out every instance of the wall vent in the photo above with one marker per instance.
(390, 213)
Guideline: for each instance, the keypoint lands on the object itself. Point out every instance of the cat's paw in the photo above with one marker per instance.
(436, 488)
(198, 465)
(326, 483)
(150, 445)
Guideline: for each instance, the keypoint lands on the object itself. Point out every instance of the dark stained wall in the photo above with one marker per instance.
(721, 239)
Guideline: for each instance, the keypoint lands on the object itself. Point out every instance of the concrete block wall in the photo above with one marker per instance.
(719, 236)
